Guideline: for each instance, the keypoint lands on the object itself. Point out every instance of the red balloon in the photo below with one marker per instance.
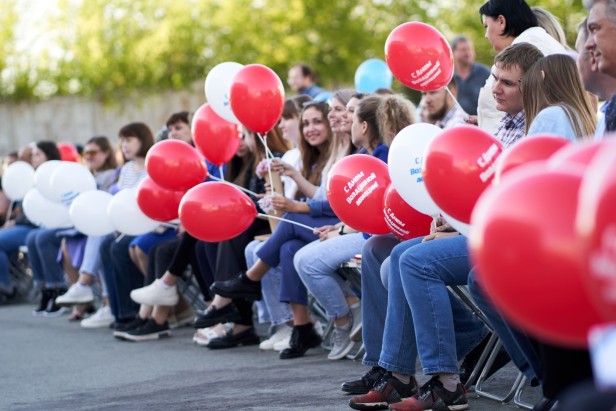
(573, 155)
(216, 138)
(356, 190)
(596, 226)
(216, 211)
(528, 257)
(175, 165)
(257, 97)
(402, 219)
(419, 56)
(535, 148)
(157, 202)
(68, 152)
(459, 164)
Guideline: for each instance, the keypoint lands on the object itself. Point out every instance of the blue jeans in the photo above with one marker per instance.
(317, 264)
(281, 247)
(517, 344)
(122, 276)
(270, 308)
(374, 294)
(422, 316)
(43, 247)
(11, 239)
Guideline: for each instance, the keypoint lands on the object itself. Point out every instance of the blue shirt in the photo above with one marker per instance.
(600, 131)
(312, 91)
(468, 89)
(553, 120)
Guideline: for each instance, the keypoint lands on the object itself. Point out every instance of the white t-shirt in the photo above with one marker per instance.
(291, 157)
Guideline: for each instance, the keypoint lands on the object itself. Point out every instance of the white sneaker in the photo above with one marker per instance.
(77, 294)
(156, 294)
(283, 332)
(341, 343)
(101, 318)
(283, 344)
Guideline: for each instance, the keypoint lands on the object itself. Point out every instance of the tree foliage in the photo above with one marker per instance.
(103, 48)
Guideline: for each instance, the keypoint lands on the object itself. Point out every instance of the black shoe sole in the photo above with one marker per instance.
(354, 390)
(230, 344)
(236, 294)
(224, 318)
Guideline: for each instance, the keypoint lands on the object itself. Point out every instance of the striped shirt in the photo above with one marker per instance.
(511, 129)
(130, 178)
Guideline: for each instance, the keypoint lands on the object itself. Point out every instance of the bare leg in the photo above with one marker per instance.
(169, 279)
(161, 313)
(258, 270)
(71, 272)
(301, 315)
(220, 302)
(145, 311)
(139, 258)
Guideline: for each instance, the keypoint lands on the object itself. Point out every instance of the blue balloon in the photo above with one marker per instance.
(371, 75)
(322, 97)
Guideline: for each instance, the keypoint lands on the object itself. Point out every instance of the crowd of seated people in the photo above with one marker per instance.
(404, 311)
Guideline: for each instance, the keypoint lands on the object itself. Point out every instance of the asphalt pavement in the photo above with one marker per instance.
(50, 364)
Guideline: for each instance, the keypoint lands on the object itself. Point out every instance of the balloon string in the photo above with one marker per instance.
(269, 163)
(267, 150)
(235, 185)
(453, 97)
(288, 221)
(222, 173)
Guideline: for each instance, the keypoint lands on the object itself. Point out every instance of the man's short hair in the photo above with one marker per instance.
(611, 7)
(183, 116)
(460, 38)
(305, 69)
(523, 55)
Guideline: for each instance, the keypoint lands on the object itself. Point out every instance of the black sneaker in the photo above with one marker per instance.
(472, 358)
(53, 309)
(388, 390)
(239, 287)
(148, 331)
(122, 328)
(229, 340)
(46, 296)
(365, 383)
(214, 315)
(433, 396)
(303, 338)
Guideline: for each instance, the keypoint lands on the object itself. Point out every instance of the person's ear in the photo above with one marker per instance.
(502, 23)
(364, 127)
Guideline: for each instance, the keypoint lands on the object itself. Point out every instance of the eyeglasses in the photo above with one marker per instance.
(89, 153)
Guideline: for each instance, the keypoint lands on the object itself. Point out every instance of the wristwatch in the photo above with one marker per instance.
(341, 230)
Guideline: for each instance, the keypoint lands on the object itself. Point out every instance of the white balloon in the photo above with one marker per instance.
(460, 227)
(89, 213)
(17, 180)
(68, 180)
(126, 216)
(42, 177)
(44, 212)
(404, 163)
(217, 86)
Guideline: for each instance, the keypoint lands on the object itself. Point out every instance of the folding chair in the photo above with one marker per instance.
(21, 275)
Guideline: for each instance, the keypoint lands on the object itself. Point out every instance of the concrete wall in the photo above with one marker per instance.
(76, 119)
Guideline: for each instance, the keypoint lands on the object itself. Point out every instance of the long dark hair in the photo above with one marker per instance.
(103, 143)
(313, 158)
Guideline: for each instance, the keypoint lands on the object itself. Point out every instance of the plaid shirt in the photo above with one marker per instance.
(454, 117)
(511, 129)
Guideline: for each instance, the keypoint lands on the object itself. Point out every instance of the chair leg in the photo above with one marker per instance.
(479, 385)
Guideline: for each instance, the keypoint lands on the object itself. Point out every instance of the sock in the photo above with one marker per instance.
(82, 285)
(405, 379)
(356, 305)
(450, 381)
(164, 286)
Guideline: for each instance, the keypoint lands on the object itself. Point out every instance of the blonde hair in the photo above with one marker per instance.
(550, 24)
(393, 114)
(543, 87)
